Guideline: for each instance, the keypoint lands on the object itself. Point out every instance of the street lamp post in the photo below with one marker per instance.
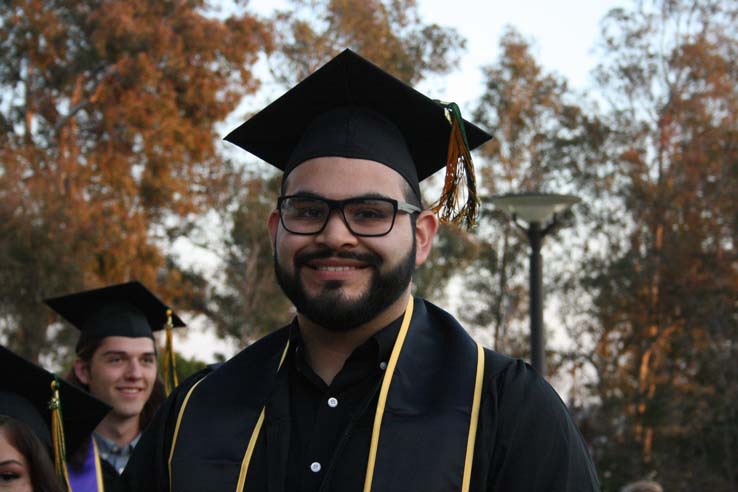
(539, 211)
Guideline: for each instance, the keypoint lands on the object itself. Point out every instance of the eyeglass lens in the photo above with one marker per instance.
(366, 216)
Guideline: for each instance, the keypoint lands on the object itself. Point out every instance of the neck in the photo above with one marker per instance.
(327, 351)
(119, 430)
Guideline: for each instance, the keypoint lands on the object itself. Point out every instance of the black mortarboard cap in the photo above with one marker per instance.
(125, 310)
(352, 108)
(25, 393)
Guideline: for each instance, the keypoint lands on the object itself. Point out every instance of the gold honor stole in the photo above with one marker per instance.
(424, 426)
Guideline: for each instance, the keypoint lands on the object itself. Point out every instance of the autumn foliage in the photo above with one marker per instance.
(108, 141)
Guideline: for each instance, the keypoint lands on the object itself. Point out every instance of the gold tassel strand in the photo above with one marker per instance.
(57, 434)
(459, 172)
(170, 366)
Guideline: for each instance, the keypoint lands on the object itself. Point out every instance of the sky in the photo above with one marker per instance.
(563, 34)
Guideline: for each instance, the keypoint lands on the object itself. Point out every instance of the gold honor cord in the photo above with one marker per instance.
(255, 434)
(98, 467)
(383, 395)
(176, 430)
(474, 420)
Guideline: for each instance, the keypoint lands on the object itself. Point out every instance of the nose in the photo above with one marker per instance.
(336, 234)
(134, 370)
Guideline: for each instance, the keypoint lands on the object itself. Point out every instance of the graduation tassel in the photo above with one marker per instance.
(459, 172)
(57, 434)
(170, 365)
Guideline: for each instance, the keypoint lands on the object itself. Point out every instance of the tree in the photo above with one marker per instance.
(390, 33)
(108, 142)
(664, 301)
(543, 139)
(251, 304)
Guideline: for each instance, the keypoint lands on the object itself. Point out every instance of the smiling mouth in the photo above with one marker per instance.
(323, 268)
(130, 391)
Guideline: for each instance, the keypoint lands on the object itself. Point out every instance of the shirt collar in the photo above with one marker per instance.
(109, 447)
(381, 343)
(379, 346)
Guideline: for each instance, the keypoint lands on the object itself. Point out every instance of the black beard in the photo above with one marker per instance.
(330, 309)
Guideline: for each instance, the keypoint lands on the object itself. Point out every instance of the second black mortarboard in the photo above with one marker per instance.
(125, 310)
(352, 108)
(34, 396)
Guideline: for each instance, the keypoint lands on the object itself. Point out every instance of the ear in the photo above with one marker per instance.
(82, 371)
(272, 224)
(426, 226)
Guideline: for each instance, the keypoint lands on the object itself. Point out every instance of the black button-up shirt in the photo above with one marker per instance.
(324, 417)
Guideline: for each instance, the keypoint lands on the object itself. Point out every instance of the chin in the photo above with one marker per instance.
(128, 411)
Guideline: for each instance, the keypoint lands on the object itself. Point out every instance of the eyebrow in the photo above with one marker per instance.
(11, 462)
(310, 194)
(123, 352)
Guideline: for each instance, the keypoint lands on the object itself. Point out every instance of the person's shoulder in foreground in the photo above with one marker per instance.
(535, 443)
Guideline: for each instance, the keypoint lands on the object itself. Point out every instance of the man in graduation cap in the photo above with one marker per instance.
(368, 388)
(117, 363)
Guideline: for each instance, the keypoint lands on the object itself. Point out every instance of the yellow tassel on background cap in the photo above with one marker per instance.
(57, 434)
(170, 366)
(459, 172)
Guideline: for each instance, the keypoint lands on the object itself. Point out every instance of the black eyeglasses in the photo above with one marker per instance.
(367, 217)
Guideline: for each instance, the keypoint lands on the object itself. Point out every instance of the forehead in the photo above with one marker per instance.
(8, 451)
(343, 177)
(126, 344)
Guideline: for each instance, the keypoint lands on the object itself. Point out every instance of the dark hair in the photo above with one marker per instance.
(86, 350)
(40, 466)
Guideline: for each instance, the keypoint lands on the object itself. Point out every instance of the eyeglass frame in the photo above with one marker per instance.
(397, 205)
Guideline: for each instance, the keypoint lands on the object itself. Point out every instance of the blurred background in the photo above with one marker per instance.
(112, 168)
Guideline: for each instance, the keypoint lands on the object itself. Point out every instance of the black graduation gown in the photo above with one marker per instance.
(525, 439)
(111, 478)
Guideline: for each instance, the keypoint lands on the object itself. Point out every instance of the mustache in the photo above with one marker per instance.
(370, 259)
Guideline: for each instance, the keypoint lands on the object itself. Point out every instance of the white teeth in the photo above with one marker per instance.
(127, 390)
(335, 268)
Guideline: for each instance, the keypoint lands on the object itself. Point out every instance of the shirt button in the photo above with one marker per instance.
(332, 402)
(315, 467)
(383, 365)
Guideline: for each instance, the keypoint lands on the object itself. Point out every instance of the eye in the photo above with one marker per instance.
(8, 476)
(309, 212)
(148, 359)
(304, 209)
(369, 210)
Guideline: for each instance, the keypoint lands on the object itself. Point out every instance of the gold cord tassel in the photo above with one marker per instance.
(459, 171)
(170, 366)
(57, 434)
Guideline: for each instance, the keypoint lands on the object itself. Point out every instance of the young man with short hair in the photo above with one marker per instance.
(117, 363)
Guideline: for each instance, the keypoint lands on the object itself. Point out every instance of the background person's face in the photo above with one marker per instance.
(336, 279)
(14, 472)
(122, 373)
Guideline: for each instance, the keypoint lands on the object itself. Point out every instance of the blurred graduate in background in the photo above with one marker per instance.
(117, 363)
